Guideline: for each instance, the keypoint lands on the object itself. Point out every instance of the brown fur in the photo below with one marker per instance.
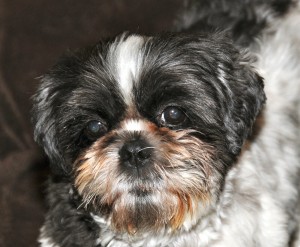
(165, 202)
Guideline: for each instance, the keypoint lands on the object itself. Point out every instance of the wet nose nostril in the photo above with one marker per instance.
(144, 153)
(125, 154)
(135, 153)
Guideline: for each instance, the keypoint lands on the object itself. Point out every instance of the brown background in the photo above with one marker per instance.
(33, 33)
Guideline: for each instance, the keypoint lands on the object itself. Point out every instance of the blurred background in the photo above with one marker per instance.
(33, 34)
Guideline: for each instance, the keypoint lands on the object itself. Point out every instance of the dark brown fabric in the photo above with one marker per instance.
(33, 33)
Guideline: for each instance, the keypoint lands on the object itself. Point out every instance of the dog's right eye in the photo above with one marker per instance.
(94, 129)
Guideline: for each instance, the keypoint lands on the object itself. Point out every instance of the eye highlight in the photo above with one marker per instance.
(172, 116)
(94, 129)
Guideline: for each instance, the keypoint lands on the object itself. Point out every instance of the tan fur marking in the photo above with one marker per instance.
(183, 162)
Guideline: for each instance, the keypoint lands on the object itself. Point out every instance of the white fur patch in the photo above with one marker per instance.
(125, 58)
(46, 241)
(134, 125)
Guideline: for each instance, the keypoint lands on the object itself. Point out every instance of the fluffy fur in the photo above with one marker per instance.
(167, 140)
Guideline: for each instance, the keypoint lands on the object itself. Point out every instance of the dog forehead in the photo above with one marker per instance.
(125, 57)
(141, 75)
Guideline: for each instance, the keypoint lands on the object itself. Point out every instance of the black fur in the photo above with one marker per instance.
(215, 109)
(243, 20)
(65, 216)
(63, 105)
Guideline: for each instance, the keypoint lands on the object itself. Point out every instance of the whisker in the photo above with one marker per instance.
(145, 148)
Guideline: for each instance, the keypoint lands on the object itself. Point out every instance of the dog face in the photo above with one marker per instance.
(146, 128)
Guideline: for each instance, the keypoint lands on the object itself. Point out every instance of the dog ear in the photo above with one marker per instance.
(247, 99)
(43, 118)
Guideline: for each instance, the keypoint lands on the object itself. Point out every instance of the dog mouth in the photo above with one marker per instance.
(141, 190)
(140, 210)
(146, 203)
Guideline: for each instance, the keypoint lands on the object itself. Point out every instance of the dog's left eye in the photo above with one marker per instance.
(172, 116)
(94, 129)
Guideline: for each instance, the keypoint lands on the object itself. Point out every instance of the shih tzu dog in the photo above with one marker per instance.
(168, 141)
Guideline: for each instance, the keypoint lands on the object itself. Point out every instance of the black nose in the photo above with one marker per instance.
(135, 153)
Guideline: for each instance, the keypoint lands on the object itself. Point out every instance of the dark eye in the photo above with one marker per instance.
(95, 129)
(172, 116)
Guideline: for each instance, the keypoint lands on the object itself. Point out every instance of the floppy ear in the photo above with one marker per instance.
(247, 100)
(43, 118)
